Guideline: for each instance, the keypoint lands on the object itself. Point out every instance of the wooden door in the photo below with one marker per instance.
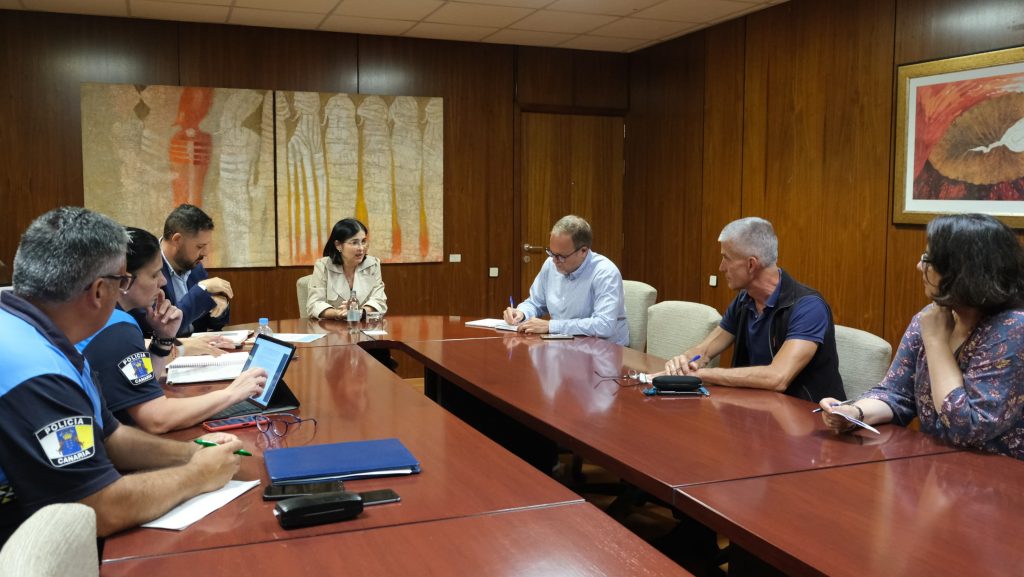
(569, 164)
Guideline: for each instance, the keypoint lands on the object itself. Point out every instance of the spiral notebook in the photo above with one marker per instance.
(203, 368)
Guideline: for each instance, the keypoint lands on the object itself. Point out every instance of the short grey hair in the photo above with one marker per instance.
(575, 227)
(63, 251)
(753, 236)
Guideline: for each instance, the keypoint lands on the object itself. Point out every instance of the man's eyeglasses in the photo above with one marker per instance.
(124, 281)
(279, 423)
(925, 259)
(561, 257)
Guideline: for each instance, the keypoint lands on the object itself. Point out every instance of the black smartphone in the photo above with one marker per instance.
(278, 492)
(379, 497)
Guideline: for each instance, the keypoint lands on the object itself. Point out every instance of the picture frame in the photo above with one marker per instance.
(960, 138)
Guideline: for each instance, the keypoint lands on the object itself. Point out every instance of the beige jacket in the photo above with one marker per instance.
(329, 288)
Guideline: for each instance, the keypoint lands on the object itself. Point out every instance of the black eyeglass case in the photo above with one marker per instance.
(318, 509)
(677, 383)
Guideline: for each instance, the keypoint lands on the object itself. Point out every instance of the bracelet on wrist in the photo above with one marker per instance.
(158, 350)
(164, 342)
(860, 412)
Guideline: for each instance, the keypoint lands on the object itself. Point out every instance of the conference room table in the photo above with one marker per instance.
(950, 514)
(353, 397)
(574, 539)
(695, 452)
(561, 389)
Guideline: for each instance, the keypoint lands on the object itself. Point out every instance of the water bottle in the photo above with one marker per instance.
(354, 312)
(264, 328)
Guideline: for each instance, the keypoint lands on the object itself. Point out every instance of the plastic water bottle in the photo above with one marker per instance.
(354, 312)
(264, 328)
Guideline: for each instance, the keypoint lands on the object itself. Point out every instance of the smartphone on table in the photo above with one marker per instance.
(230, 423)
(278, 492)
(379, 497)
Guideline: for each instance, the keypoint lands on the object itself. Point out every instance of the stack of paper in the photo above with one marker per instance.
(202, 368)
(492, 324)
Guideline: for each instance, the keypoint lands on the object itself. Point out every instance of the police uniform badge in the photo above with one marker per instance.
(68, 440)
(137, 368)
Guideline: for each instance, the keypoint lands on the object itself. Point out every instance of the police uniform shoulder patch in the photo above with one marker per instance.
(68, 440)
(137, 368)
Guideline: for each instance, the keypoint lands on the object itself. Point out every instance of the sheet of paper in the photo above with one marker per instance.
(485, 323)
(299, 337)
(375, 333)
(200, 506)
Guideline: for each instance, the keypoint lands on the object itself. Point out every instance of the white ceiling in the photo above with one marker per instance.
(608, 25)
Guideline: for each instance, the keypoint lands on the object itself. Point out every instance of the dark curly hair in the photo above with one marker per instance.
(980, 260)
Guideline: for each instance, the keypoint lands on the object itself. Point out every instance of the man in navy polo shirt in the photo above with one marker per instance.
(58, 441)
(783, 331)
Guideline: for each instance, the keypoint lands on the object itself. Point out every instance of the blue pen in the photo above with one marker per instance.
(695, 359)
(511, 304)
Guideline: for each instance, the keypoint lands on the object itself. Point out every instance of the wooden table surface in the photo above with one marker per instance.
(656, 443)
(952, 514)
(400, 329)
(574, 539)
(354, 397)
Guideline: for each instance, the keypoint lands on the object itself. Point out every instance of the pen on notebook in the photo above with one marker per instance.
(206, 443)
(847, 402)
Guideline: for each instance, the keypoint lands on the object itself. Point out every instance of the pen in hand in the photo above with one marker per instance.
(206, 443)
(847, 402)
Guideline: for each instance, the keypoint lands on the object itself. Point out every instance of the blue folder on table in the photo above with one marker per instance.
(340, 461)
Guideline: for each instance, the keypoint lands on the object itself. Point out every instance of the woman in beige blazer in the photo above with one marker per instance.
(345, 266)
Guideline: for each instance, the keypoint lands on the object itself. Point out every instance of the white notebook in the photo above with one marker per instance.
(201, 368)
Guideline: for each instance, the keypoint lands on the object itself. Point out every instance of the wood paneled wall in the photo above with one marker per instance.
(788, 114)
(785, 113)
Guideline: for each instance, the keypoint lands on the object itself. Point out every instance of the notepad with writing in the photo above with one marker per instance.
(340, 461)
(491, 324)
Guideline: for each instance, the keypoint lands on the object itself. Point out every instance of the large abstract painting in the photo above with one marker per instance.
(960, 138)
(147, 149)
(376, 158)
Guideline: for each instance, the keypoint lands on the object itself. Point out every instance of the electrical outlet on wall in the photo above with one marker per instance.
(713, 280)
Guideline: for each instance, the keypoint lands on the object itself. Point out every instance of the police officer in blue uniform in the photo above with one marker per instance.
(58, 441)
(128, 369)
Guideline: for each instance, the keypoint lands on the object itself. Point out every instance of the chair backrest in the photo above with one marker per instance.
(302, 293)
(674, 326)
(863, 359)
(58, 539)
(639, 296)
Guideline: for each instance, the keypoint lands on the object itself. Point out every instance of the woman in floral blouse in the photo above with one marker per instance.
(960, 365)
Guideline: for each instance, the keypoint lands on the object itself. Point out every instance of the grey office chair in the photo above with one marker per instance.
(639, 296)
(674, 326)
(302, 293)
(56, 540)
(863, 359)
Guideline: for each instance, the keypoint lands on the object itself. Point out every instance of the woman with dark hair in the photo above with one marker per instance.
(960, 365)
(128, 369)
(345, 267)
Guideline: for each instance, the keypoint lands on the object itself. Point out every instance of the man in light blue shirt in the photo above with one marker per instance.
(580, 289)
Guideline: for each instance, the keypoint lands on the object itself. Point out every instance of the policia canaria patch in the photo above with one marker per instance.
(137, 368)
(68, 440)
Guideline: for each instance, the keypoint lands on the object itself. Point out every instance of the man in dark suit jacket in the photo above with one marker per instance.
(203, 300)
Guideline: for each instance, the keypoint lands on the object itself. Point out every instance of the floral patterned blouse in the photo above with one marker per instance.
(987, 413)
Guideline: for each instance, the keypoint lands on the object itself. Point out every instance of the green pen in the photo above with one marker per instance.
(206, 443)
